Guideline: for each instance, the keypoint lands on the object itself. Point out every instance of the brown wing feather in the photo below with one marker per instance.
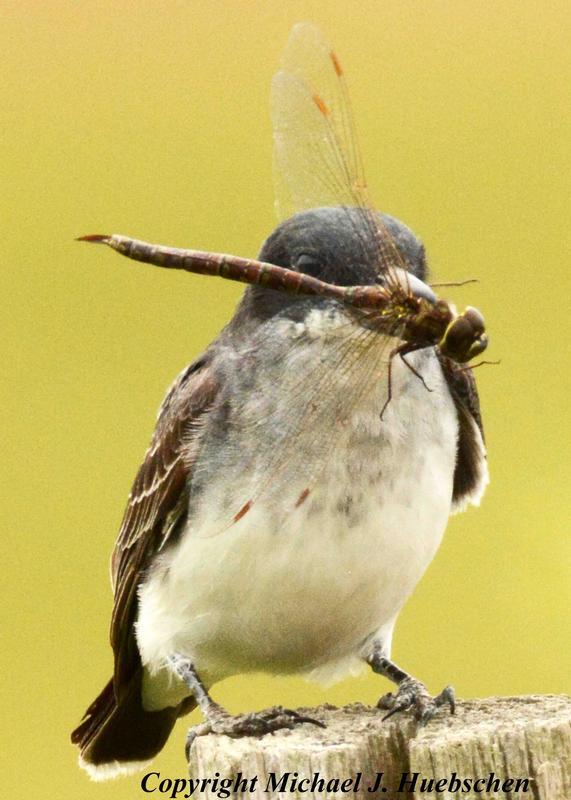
(157, 504)
(471, 472)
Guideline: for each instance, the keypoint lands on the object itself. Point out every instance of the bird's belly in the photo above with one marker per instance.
(306, 595)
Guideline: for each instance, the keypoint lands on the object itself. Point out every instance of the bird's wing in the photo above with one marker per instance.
(471, 472)
(157, 503)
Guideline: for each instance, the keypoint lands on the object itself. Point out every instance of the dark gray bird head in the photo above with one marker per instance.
(334, 244)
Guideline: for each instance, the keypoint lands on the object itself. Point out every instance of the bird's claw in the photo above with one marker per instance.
(414, 694)
(257, 723)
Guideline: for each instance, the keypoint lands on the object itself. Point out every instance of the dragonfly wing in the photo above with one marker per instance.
(326, 383)
(316, 153)
(318, 164)
(317, 159)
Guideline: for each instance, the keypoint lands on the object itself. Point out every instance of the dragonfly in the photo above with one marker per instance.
(318, 164)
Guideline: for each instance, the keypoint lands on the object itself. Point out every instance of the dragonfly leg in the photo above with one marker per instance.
(479, 364)
(402, 350)
(408, 348)
(411, 692)
(218, 720)
(389, 381)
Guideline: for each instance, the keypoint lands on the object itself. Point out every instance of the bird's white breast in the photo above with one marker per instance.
(304, 594)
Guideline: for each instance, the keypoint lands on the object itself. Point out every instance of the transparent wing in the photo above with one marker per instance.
(317, 161)
(326, 384)
(323, 403)
(328, 379)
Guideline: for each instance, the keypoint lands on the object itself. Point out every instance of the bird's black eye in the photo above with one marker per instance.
(308, 263)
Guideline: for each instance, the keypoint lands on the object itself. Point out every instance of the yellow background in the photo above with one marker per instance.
(151, 119)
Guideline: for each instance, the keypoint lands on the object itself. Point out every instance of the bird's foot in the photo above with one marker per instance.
(256, 723)
(414, 694)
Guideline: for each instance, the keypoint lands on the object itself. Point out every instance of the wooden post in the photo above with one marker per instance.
(513, 739)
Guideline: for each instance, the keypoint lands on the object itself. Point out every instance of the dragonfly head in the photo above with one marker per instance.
(465, 337)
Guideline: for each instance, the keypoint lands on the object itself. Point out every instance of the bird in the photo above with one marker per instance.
(285, 510)
(290, 587)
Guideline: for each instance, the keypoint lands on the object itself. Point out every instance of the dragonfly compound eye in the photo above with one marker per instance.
(465, 337)
(476, 320)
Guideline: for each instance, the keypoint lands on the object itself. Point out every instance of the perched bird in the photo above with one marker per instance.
(297, 486)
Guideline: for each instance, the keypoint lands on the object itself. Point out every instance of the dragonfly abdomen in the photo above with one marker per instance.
(405, 305)
(244, 270)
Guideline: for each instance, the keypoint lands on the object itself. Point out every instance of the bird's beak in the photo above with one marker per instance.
(410, 283)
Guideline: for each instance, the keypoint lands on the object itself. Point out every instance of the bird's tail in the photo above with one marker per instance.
(117, 736)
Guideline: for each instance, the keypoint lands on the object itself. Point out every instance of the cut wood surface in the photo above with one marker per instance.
(492, 741)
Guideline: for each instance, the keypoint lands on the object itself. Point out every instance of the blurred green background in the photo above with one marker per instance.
(151, 119)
